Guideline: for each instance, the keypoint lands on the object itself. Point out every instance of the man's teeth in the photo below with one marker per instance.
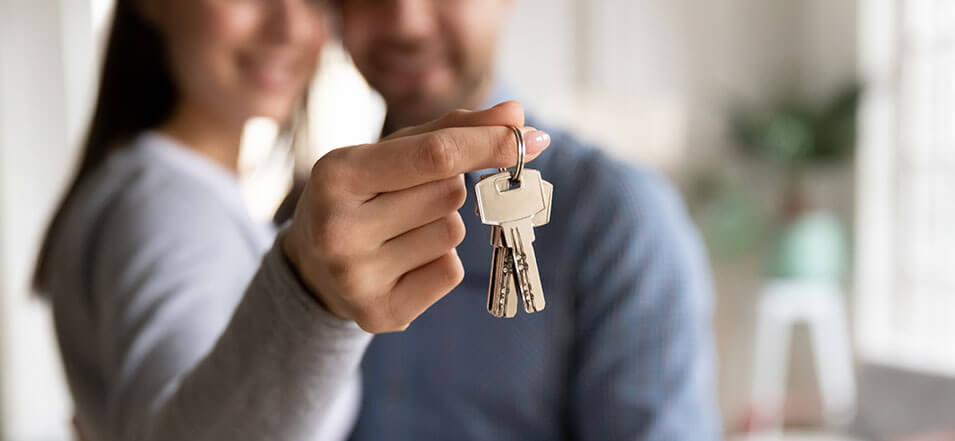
(413, 64)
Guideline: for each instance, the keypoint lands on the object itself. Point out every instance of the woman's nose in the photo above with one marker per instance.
(292, 21)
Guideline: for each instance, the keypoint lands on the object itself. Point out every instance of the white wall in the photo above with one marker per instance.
(46, 62)
(652, 79)
(616, 71)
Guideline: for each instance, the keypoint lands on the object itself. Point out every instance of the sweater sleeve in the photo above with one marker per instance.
(199, 339)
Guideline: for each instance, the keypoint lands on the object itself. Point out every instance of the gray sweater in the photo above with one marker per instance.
(171, 323)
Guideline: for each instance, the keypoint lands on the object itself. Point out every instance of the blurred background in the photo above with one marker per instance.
(814, 141)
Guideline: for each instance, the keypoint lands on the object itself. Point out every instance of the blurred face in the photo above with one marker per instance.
(236, 59)
(426, 57)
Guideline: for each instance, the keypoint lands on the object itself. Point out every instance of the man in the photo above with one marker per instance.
(623, 350)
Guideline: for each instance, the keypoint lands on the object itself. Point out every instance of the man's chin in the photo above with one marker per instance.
(417, 108)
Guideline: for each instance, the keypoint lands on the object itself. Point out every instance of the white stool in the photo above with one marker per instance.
(819, 304)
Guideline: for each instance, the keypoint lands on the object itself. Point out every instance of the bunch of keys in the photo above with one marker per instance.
(513, 202)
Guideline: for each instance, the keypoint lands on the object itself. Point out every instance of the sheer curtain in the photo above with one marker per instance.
(906, 242)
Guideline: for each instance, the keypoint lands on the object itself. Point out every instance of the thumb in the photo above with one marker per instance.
(507, 113)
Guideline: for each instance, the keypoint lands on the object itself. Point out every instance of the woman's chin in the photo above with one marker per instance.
(278, 111)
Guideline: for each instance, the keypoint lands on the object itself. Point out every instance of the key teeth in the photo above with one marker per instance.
(502, 314)
(537, 305)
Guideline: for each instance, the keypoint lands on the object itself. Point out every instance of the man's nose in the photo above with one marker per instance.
(413, 19)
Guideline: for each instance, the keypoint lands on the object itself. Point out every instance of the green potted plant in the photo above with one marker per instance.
(793, 137)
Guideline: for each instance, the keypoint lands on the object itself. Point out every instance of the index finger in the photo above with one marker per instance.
(402, 163)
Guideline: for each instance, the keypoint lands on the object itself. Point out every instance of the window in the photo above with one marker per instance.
(906, 241)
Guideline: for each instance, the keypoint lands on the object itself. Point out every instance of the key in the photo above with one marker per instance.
(513, 208)
(502, 293)
(541, 218)
(519, 239)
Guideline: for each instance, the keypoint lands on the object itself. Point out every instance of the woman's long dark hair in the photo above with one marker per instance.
(136, 93)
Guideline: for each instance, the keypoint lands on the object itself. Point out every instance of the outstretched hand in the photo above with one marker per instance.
(375, 231)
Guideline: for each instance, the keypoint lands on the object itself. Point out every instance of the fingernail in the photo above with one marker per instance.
(536, 141)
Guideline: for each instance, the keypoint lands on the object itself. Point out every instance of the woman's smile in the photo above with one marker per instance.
(272, 73)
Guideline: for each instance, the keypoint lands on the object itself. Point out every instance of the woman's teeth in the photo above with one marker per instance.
(273, 74)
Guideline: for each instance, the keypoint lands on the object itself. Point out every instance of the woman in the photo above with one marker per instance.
(171, 323)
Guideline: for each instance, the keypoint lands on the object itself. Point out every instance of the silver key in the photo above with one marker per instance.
(499, 201)
(513, 208)
(519, 239)
(541, 218)
(502, 292)
(502, 295)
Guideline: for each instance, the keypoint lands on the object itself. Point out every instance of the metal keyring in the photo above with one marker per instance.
(521, 150)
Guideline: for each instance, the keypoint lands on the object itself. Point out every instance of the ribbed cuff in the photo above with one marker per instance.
(294, 303)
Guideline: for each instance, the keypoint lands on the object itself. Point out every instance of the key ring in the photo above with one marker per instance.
(521, 150)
